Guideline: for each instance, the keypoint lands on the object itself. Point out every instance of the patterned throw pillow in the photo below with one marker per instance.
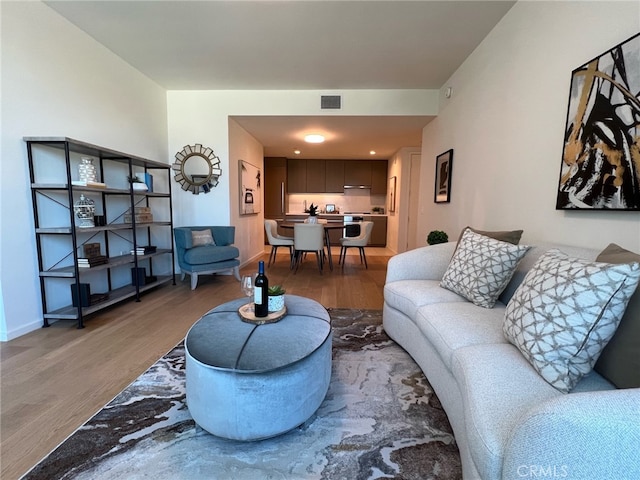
(201, 237)
(564, 313)
(481, 267)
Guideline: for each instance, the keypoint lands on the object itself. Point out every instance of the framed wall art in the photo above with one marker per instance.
(442, 191)
(600, 166)
(250, 188)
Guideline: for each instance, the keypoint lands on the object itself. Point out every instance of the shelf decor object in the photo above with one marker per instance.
(598, 169)
(197, 169)
(85, 209)
(442, 192)
(87, 170)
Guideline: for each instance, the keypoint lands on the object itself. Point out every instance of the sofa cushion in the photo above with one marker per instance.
(409, 295)
(202, 238)
(210, 254)
(564, 313)
(498, 386)
(481, 267)
(509, 236)
(450, 326)
(620, 359)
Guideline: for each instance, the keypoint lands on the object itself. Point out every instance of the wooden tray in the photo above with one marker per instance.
(247, 314)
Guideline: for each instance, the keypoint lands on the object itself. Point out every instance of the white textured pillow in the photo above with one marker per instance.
(481, 268)
(201, 237)
(564, 313)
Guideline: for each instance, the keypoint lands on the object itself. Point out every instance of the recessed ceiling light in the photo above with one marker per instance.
(372, 152)
(297, 152)
(314, 138)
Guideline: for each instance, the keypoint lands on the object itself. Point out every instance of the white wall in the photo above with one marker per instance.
(57, 81)
(249, 228)
(203, 117)
(505, 122)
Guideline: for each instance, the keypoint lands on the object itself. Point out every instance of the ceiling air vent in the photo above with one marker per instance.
(331, 102)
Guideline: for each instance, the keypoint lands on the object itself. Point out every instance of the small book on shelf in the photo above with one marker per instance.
(144, 250)
(93, 261)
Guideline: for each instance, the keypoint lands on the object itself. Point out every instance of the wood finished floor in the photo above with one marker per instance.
(56, 378)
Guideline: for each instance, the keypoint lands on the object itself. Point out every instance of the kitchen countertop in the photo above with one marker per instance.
(330, 215)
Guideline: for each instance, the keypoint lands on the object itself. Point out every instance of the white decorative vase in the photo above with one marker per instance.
(87, 170)
(311, 219)
(276, 303)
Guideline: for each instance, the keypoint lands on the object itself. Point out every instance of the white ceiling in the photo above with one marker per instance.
(296, 45)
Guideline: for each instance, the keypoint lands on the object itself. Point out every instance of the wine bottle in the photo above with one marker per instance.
(261, 292)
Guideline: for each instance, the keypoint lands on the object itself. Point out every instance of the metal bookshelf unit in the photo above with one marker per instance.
(135, 255)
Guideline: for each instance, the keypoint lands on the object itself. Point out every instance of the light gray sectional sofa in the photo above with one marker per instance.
(508, 421)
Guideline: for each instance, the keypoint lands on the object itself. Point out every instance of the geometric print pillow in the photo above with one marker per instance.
(481, 268)
(565, 311)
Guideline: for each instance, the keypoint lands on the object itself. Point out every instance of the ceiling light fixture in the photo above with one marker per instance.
(297, 152)
(372, 152)
(314, 138)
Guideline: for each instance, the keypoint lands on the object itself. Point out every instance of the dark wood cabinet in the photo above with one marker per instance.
(331, 176)
(334, 176)
(357, 173)
(275, 180)
(315, 176)
(378, 236)
(296, 176)
(378, 177)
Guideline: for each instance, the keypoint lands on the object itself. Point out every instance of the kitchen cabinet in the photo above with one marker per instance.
(378, 177)
(275, 180)
(378, 236)
(296, 176)
(331, 176)
(79, 257)
(357, 173)
(334, 176)
(315, 176)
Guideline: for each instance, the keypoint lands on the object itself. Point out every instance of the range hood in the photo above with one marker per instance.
(346, 187)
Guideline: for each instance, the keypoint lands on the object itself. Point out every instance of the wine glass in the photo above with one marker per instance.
(247, 285)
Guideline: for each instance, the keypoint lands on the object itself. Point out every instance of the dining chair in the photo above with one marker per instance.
(360, 242)
(308, 237)
(276, 240)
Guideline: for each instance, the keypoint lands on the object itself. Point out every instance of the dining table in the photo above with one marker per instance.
(328, 226)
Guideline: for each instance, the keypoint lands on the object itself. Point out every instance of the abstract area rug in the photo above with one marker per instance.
(380, 419)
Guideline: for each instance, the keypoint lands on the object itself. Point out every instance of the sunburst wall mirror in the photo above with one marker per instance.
(196, 169)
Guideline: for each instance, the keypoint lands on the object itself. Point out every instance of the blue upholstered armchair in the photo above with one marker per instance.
(206, 250)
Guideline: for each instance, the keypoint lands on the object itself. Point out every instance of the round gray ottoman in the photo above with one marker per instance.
(249, 382)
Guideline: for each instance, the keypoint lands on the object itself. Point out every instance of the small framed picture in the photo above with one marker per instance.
(442, 192)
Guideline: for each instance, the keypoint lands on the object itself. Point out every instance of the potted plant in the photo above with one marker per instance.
(276, 298)
(437, 236)
(137, 184)
(313, 212)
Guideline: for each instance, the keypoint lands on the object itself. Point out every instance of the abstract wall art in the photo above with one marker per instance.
(442, 192)
(250, 188)
(601, 156)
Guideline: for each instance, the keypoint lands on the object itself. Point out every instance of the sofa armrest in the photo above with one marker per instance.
(183, 238)
(579, 435)
(423, 263)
